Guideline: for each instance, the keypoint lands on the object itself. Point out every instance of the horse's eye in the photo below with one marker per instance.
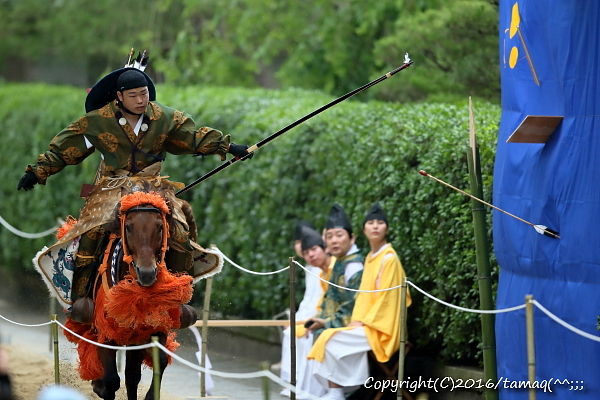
(128, 228)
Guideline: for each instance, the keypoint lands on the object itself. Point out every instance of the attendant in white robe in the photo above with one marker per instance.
(339, 356)
(311, 247)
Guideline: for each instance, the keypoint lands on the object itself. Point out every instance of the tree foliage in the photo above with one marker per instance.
(334, 46)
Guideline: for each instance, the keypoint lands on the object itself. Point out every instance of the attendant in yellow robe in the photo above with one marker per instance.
(340, 354)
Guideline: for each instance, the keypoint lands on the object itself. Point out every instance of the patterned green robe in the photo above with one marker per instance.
(169, 131)
(338, 304)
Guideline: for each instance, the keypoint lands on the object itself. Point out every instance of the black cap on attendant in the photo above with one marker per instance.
(310, 238)
(298, 231)
(338, 219)
(376, 212)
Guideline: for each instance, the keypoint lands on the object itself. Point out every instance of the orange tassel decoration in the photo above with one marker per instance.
(66, 227)
(137, 198)
(129, 314)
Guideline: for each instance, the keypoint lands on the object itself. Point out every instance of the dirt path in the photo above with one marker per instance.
(30, 372)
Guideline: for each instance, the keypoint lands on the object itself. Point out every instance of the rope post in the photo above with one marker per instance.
(55, 346)
(530, 343)
(205, 312)
(292, 326)
(52, 309)
(155, 368)
(265, 381)
(402, 337)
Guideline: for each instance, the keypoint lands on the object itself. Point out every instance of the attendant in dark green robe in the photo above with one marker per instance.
(337, 306)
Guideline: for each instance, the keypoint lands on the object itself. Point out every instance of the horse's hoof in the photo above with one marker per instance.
(187, 316)
(99, 388)
(83, 310)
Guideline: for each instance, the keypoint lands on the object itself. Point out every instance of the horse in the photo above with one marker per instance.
(135, 295)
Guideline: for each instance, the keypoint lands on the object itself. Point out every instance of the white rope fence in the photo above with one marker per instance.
(25, 234)
(229, 375)
(565, 324)
(268, 374)
(26, 325)
(247, 270)
(471, 310)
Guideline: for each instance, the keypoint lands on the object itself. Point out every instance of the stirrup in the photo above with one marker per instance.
(187, 316)
(83, 310)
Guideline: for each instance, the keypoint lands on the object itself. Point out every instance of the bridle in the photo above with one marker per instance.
(135, 202)
(127, 257)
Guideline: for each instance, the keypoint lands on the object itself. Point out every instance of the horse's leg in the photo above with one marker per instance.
(133, 372)
(110, 382)
(163, 360)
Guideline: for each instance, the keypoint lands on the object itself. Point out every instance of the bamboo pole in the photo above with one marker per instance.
(402, 348)
(155, 369)
(530, 344)
(52, 309)
(292, 327)
(55, 342)
(265, 381)
(205, 312)
(483, 272)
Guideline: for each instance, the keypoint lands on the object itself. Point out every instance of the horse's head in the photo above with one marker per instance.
(144, 232)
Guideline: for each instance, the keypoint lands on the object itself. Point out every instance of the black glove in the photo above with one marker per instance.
(239, 151)
(27, 181)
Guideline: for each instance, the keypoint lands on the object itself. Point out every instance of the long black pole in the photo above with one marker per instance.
(252, 149)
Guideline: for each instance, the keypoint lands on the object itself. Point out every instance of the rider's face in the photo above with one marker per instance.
(135, 100)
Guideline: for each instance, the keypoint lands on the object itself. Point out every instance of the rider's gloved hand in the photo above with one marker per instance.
(239, 151)
(27, 181)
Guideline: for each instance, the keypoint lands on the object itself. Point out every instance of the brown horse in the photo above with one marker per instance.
(136, 298)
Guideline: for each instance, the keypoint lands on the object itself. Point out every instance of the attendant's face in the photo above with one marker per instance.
(316, 256)
(375, 230)
(338, 241)
(135, 100)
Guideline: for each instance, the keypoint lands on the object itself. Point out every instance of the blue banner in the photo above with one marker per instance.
(549, 60)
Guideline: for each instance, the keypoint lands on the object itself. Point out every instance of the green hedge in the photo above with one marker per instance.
(353, 154)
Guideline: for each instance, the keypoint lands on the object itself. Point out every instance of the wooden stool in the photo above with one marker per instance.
(386, 371)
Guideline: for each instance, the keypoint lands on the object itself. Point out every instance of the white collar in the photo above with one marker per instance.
(353, 249)
(136, 129)
(380, 250)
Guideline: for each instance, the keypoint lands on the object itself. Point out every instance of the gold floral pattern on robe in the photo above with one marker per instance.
(106, 111)
(72, 155)
(169, 131)
(80, 126)
(108, 141)
(158, 143)
(179, 118)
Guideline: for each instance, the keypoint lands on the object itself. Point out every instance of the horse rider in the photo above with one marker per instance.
(133, 133)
